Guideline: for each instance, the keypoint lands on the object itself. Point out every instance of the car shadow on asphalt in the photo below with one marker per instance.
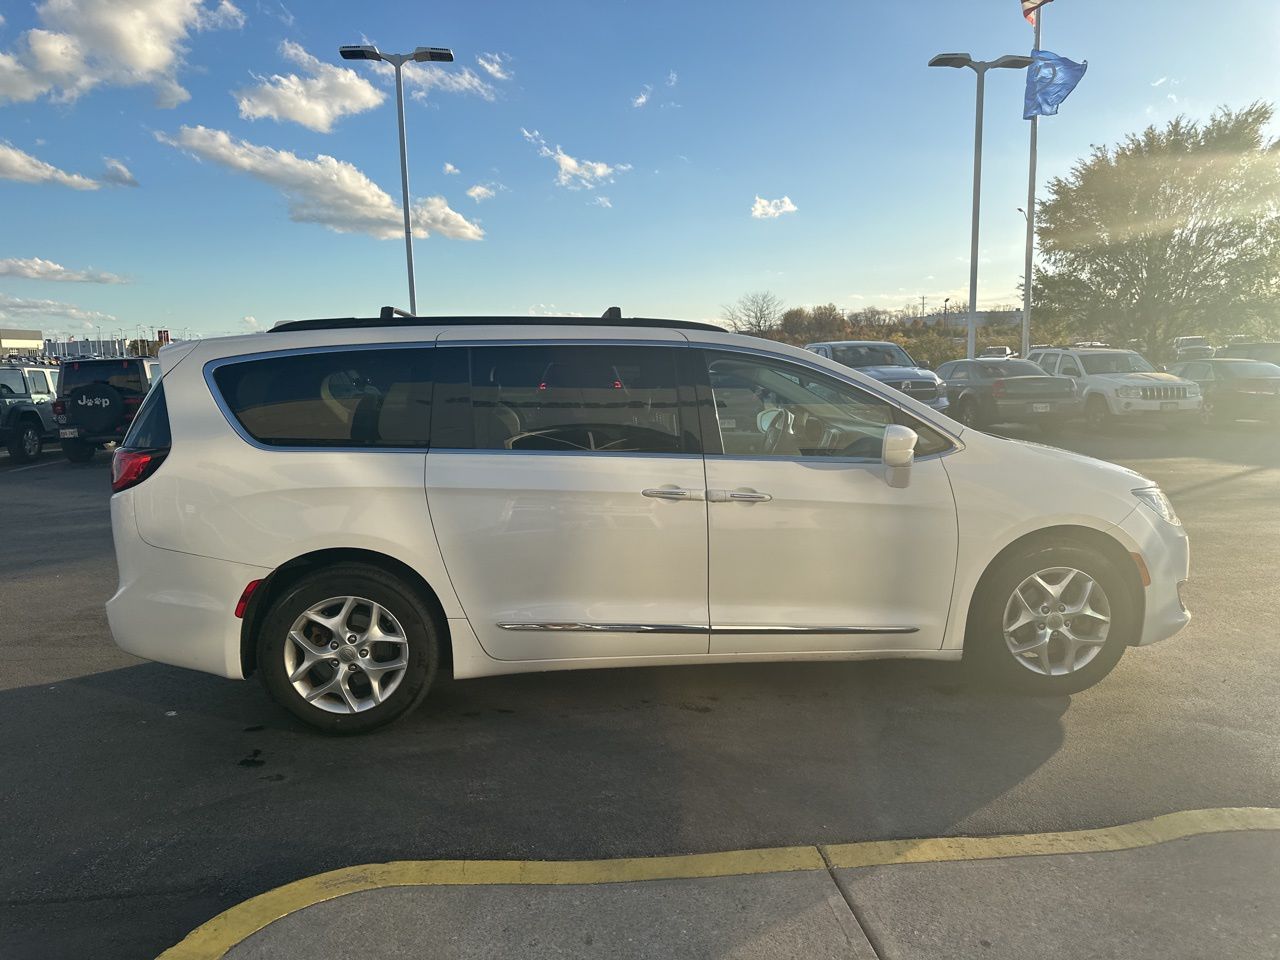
(1245, 443)
(150, 780)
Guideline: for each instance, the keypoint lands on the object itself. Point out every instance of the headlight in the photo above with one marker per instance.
(1154, 498)
(1193, 390)
(1129, 393)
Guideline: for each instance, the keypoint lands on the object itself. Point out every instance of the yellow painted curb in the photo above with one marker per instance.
(213, 939)
(1126, 836)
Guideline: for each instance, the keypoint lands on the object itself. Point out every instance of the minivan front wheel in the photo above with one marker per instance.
(1051, 620)
(348, 649)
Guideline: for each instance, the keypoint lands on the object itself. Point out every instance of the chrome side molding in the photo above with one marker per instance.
(577, 626)
(574, 626)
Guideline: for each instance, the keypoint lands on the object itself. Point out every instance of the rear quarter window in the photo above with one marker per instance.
(336, 398)
(150, 428)
(11, 383)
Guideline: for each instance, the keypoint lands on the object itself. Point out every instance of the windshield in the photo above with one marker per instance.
(871, 355)
(1115, 363)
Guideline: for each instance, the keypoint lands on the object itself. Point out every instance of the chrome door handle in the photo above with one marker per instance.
(672, 493)
(738, 496)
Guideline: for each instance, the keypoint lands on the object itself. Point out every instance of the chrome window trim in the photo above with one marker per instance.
(213, 366)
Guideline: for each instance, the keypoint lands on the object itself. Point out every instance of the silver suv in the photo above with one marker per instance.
(1122, 384)
(26, 409)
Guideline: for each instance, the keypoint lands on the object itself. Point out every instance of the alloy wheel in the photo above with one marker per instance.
(1056, 621)
(31, 442)
(346, 654)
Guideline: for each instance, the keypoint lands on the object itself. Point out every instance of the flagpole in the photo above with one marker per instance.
(1031, 214)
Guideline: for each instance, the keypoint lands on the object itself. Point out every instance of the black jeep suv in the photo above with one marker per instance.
(97, 400)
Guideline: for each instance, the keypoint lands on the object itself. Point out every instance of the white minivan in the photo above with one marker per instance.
(347, 507)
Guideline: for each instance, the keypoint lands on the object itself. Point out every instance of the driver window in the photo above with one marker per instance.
(1069, 368)
(774, 409)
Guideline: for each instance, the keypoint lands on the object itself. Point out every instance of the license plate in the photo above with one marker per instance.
(1041, 407)
(1169, 405)
(68, 434)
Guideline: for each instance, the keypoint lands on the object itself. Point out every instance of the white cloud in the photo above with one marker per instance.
(23, 311)
(20, 166)
(481, 192)
(449, 169)
(603, 202)
(495, 65)
(641, 98)
(571, 172)
(82, 44)
(551, 310)
(118, 175)
(34, 268)
(764, 209)
(421, 78)
(672, 79)
(1161, 82)
(250, 324)
(327, 191)
(316, 100)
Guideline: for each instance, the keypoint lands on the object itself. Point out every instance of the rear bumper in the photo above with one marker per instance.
(1166, 553)
(173, 607)
(1031, 409)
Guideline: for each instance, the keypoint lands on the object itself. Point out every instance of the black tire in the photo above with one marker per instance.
(986, 652)
(1097, 414)
(78, 451)
(421, 629)
(26, 442)
(967, 413)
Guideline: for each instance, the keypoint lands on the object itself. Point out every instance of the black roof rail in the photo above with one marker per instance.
(389, 313)
(401, 319)
(612, 313)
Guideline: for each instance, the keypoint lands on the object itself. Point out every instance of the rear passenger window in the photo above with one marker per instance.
(337, 398)
(600, 399)
(38, 382)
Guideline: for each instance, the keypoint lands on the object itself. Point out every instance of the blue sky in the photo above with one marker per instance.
(827, 104)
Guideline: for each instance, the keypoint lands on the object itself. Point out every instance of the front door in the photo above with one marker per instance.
(813, 546)
(566, 488)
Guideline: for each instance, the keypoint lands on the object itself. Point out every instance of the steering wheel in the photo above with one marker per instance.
(781, 423)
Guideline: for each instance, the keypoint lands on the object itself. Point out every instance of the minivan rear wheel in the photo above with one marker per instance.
(1051, 620)
(348, 649)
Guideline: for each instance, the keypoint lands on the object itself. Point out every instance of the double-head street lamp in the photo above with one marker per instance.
(398, 60)
(980, 67)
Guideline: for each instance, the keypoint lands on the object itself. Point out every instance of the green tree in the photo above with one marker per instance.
(1172, 231)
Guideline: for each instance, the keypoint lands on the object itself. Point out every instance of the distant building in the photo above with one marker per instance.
(23, 342)
(959, 319)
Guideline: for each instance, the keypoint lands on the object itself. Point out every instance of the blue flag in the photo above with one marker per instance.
(1050, 80)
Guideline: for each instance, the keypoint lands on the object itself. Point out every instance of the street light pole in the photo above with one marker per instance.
(398, 60)
(980, 67)
(1031, 216)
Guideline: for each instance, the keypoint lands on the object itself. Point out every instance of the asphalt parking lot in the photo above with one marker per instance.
(141, 800)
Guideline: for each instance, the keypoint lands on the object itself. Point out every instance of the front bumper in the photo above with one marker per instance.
(1121, 407)
(174, 607)
(1166, 554)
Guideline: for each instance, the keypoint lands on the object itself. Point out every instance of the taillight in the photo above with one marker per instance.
(617, 384)
(998, 388)
(59, 408)
(130, 467)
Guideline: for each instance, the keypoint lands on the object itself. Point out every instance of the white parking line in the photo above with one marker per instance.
(34, 466)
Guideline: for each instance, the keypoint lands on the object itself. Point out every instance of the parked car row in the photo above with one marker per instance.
(1055, 385)
(84, 404)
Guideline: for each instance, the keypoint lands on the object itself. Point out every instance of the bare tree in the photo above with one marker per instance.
(754, 313)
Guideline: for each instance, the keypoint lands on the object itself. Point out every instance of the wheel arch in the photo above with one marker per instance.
(1088, 538)
(288, 573)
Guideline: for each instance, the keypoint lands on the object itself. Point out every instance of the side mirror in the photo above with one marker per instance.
(899, 446)
(898, 453)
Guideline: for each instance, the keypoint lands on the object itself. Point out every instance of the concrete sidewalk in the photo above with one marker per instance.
(1212, 895)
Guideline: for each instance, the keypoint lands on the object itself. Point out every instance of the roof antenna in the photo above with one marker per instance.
(613, 313)
(390, 313)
